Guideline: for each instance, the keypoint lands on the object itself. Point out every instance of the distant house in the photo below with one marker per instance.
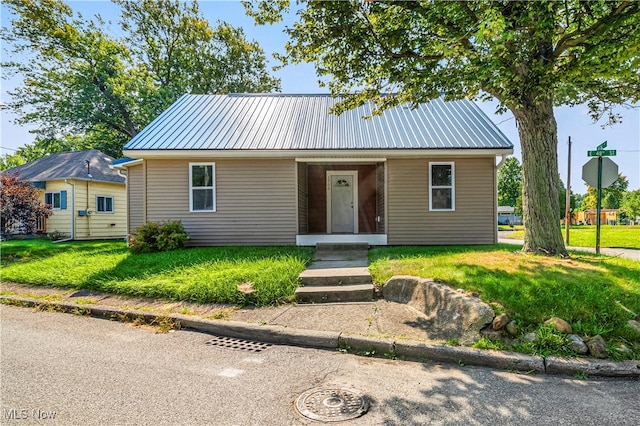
(87, 195)
(507, 216)
(588, 217)
(280, 169)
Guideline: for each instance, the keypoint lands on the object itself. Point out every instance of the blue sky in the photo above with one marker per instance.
(574, 122)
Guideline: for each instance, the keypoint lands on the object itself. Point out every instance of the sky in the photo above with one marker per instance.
(573, 122)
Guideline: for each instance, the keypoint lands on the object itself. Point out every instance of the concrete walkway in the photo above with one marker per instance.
(633, 254)
(338, 273)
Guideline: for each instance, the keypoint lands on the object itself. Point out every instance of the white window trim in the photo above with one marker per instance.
(452, 186)
(52, 196)
(113, 204)
(213, 187)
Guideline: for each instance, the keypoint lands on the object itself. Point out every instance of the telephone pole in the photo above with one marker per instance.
(567, 216)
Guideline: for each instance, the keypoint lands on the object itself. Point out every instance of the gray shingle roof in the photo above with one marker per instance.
(70, 165)
(302, 122)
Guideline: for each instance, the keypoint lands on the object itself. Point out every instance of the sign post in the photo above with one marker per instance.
(592, 173)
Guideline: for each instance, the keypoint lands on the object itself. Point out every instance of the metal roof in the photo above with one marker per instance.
(70, 165)
(243, 122)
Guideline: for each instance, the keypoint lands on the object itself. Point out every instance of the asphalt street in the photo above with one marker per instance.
(65, 369)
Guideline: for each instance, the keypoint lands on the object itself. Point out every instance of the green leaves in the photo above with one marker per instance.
(81, 80)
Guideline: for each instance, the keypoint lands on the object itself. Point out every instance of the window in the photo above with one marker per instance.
(202, 191)
(53, 199)
(442, 187)
(104, 204)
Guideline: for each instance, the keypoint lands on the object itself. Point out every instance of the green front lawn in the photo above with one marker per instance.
(625, 236)
(593, 293)
(204, 275)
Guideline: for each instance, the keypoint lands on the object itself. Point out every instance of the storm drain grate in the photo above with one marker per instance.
(332, 405)
(238, 344)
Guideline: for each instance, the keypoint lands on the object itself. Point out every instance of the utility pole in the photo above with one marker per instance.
(567, 216)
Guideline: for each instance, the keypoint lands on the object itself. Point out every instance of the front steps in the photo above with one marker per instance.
(338, 273)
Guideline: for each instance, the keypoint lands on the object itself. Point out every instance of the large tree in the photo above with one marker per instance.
(78, 79)
(529, 55)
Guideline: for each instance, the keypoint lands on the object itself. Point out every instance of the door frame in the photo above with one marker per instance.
(354, 174)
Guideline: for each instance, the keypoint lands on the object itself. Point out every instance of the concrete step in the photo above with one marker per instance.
(335, 276)
(342, 246)
(329, 294)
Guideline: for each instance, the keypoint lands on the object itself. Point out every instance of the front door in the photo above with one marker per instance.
(342, 205)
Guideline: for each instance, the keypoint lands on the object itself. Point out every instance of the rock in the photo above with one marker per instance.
(559, 324)
(448, 313)
(530, 337)
(500, 321)
(577, 344)
(512, 328)
(597, 347)
(491, 334)
(634, 325)
(624, 349)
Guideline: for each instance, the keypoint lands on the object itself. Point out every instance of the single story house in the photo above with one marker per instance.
(278, 169)
(507, 216)
(87, 195)
(590, 216)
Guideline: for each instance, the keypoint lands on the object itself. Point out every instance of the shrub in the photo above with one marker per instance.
(172, 236)
(152, 237)
(56, 235)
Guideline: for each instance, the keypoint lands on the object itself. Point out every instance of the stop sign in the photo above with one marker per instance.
(609, 172)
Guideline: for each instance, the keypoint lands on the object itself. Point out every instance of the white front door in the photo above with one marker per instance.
(342, 202)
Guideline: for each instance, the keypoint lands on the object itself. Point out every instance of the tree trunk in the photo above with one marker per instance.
(540, 207)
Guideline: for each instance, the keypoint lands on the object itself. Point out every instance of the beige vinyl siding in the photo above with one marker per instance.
(100, 225)
(135, 197)
(411, 222)
(60, 220)
(255, 201)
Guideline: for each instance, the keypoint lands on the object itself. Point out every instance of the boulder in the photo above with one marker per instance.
(559, 324)
(449, 314)
(512, 328)
(577, 344)
(597, 347)
(500, 321)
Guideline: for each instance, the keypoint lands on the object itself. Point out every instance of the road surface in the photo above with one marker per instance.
(59, 369)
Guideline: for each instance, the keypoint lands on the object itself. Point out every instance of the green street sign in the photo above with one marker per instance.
(602, 153)
(602, 146)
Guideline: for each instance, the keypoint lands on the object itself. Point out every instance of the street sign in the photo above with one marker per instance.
(602, 146)
(609, 172)
(602, 153)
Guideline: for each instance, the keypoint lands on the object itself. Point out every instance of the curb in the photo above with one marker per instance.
(336, 340)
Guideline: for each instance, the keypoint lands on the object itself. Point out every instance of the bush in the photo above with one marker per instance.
(152, 237)
(56, 235)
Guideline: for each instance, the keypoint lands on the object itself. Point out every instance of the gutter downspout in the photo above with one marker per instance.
(73, 223)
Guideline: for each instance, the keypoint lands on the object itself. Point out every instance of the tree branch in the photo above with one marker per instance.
(579, 36)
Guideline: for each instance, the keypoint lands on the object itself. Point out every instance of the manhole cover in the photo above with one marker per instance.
(332, 405)
(239, 344)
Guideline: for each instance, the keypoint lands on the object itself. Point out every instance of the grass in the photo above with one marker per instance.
(589, 291)
(625, 236)
(203, 275)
